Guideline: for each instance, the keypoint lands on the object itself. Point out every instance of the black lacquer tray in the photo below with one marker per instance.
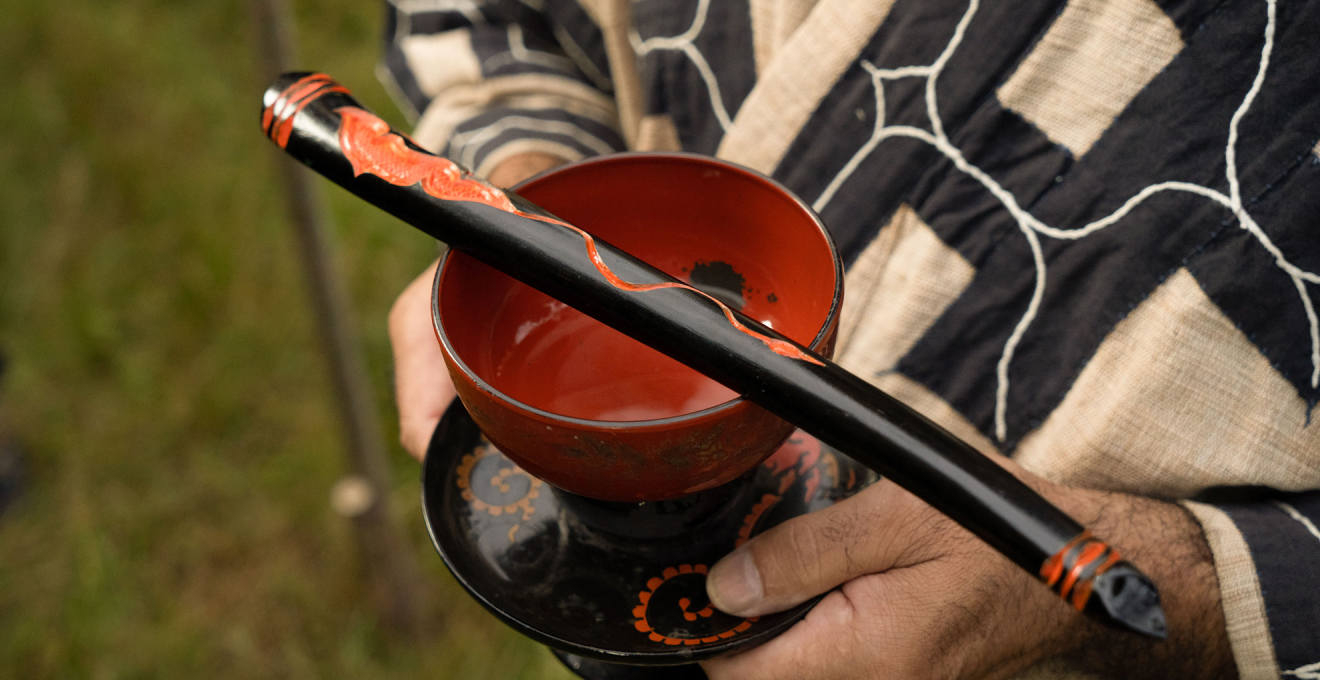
(621, 583)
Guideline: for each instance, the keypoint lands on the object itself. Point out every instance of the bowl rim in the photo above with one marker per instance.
(836, 300)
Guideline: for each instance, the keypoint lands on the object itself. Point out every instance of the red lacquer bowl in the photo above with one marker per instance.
(593, 411)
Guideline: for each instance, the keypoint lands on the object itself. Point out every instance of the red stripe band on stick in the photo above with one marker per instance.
(278, 117)
(296, 89)
(1075, 567)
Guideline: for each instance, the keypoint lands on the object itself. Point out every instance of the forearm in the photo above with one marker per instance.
(921, 597)
(1165, 542)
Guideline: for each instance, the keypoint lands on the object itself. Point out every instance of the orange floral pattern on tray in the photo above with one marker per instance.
(500, 481)
(642, 610)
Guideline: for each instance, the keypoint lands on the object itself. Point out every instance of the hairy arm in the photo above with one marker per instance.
(1163, 539)
(919, 597)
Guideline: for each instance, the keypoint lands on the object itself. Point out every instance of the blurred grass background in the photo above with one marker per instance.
(164, 376)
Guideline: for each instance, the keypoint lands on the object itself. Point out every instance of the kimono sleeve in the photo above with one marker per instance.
(484, 81)
(1267, 555)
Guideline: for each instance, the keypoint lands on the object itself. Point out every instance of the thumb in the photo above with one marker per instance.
(812, 554)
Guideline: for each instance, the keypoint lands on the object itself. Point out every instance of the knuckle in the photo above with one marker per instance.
(805, 550)
(796, 561)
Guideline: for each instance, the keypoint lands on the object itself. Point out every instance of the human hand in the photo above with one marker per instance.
(422, 388)
(920, 597)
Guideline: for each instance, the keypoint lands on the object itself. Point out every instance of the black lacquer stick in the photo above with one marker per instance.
(319, 123)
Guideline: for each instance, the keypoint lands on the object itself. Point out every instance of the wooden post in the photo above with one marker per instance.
(397, 590)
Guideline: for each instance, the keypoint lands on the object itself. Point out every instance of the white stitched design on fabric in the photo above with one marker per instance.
(519, 53)
(469, 144)
(579, 57)
(1292, 512)
(1308, 672)
(683, 42)
(1031, 227)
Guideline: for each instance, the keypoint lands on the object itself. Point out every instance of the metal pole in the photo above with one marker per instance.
(397, 590)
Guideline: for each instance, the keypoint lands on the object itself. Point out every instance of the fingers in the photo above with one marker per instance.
(422, 386)
(886, 625)
(803, 652)
(799, 559)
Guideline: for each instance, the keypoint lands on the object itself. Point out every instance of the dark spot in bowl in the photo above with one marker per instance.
(721, 281)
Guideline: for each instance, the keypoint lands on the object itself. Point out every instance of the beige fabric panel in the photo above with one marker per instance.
(773, 22)
(615, 20)
(529, 91)
(442, 61)
(657, 133)
(763, 21)
(861, 284)
(1176, 399)
(581, 59)
(1244, 604)
(898, 287)
(797, 78)
(1088, 66)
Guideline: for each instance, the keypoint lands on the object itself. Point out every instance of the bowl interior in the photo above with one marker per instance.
(718, 227)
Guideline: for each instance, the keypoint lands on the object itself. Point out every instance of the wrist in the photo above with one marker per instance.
(1166, 543)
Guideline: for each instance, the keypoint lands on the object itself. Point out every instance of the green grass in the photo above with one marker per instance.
(164, 373)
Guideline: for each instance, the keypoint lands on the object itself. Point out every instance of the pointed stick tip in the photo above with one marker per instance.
(1126, 598)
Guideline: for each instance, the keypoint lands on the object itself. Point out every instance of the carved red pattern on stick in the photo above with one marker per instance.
(373, 148)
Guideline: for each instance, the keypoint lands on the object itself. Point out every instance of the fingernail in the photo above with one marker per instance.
(734, 584)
